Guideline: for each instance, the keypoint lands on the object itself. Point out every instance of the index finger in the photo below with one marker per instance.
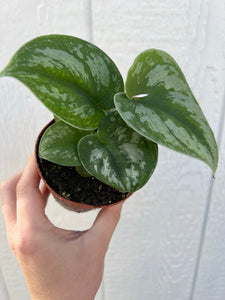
(104, 226)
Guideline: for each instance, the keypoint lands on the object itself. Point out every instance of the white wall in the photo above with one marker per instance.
(170, 241)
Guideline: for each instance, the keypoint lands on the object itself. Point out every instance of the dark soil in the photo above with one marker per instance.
(70, 185)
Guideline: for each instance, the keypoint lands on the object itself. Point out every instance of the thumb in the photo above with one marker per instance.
(105, 224)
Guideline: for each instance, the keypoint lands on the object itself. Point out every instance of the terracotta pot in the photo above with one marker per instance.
(71, 205)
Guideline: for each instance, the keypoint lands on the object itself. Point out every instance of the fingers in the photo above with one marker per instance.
(30, 200)
(45, 193)
(105, 225)
(8, 198)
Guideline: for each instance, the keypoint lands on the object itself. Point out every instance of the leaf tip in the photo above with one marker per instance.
(2, 73)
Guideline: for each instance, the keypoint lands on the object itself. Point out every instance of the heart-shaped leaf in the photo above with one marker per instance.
(59, 144)
(117, 155)
(159, 105)
(73, 78)
(81, 170)
(56, 118)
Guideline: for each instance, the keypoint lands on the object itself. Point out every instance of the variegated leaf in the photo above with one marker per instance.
(159, 105)
(73, 78)
(117, 155)
(56, 118)
(59, 144)
(81, 170)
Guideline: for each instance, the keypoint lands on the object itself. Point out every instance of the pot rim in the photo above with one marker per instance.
(68, 204)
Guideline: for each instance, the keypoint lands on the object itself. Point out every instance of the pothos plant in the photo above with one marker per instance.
(104, 128)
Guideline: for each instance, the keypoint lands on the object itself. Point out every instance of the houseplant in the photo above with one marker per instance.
(102, 131)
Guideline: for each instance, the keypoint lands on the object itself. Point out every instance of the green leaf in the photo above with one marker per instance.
(56, 118)
(81, 170)
(159, 105)
(117, 155)
(73, 78)
(59, 144)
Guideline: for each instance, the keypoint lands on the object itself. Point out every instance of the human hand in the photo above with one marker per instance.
(57, 263)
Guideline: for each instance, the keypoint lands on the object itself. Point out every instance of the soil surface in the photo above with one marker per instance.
(70, 185)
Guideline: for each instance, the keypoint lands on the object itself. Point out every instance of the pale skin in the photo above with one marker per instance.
(57, 263)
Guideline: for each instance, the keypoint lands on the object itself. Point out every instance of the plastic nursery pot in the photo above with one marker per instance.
(70, 189)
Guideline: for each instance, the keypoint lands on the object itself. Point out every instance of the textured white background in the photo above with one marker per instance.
(170, 243)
